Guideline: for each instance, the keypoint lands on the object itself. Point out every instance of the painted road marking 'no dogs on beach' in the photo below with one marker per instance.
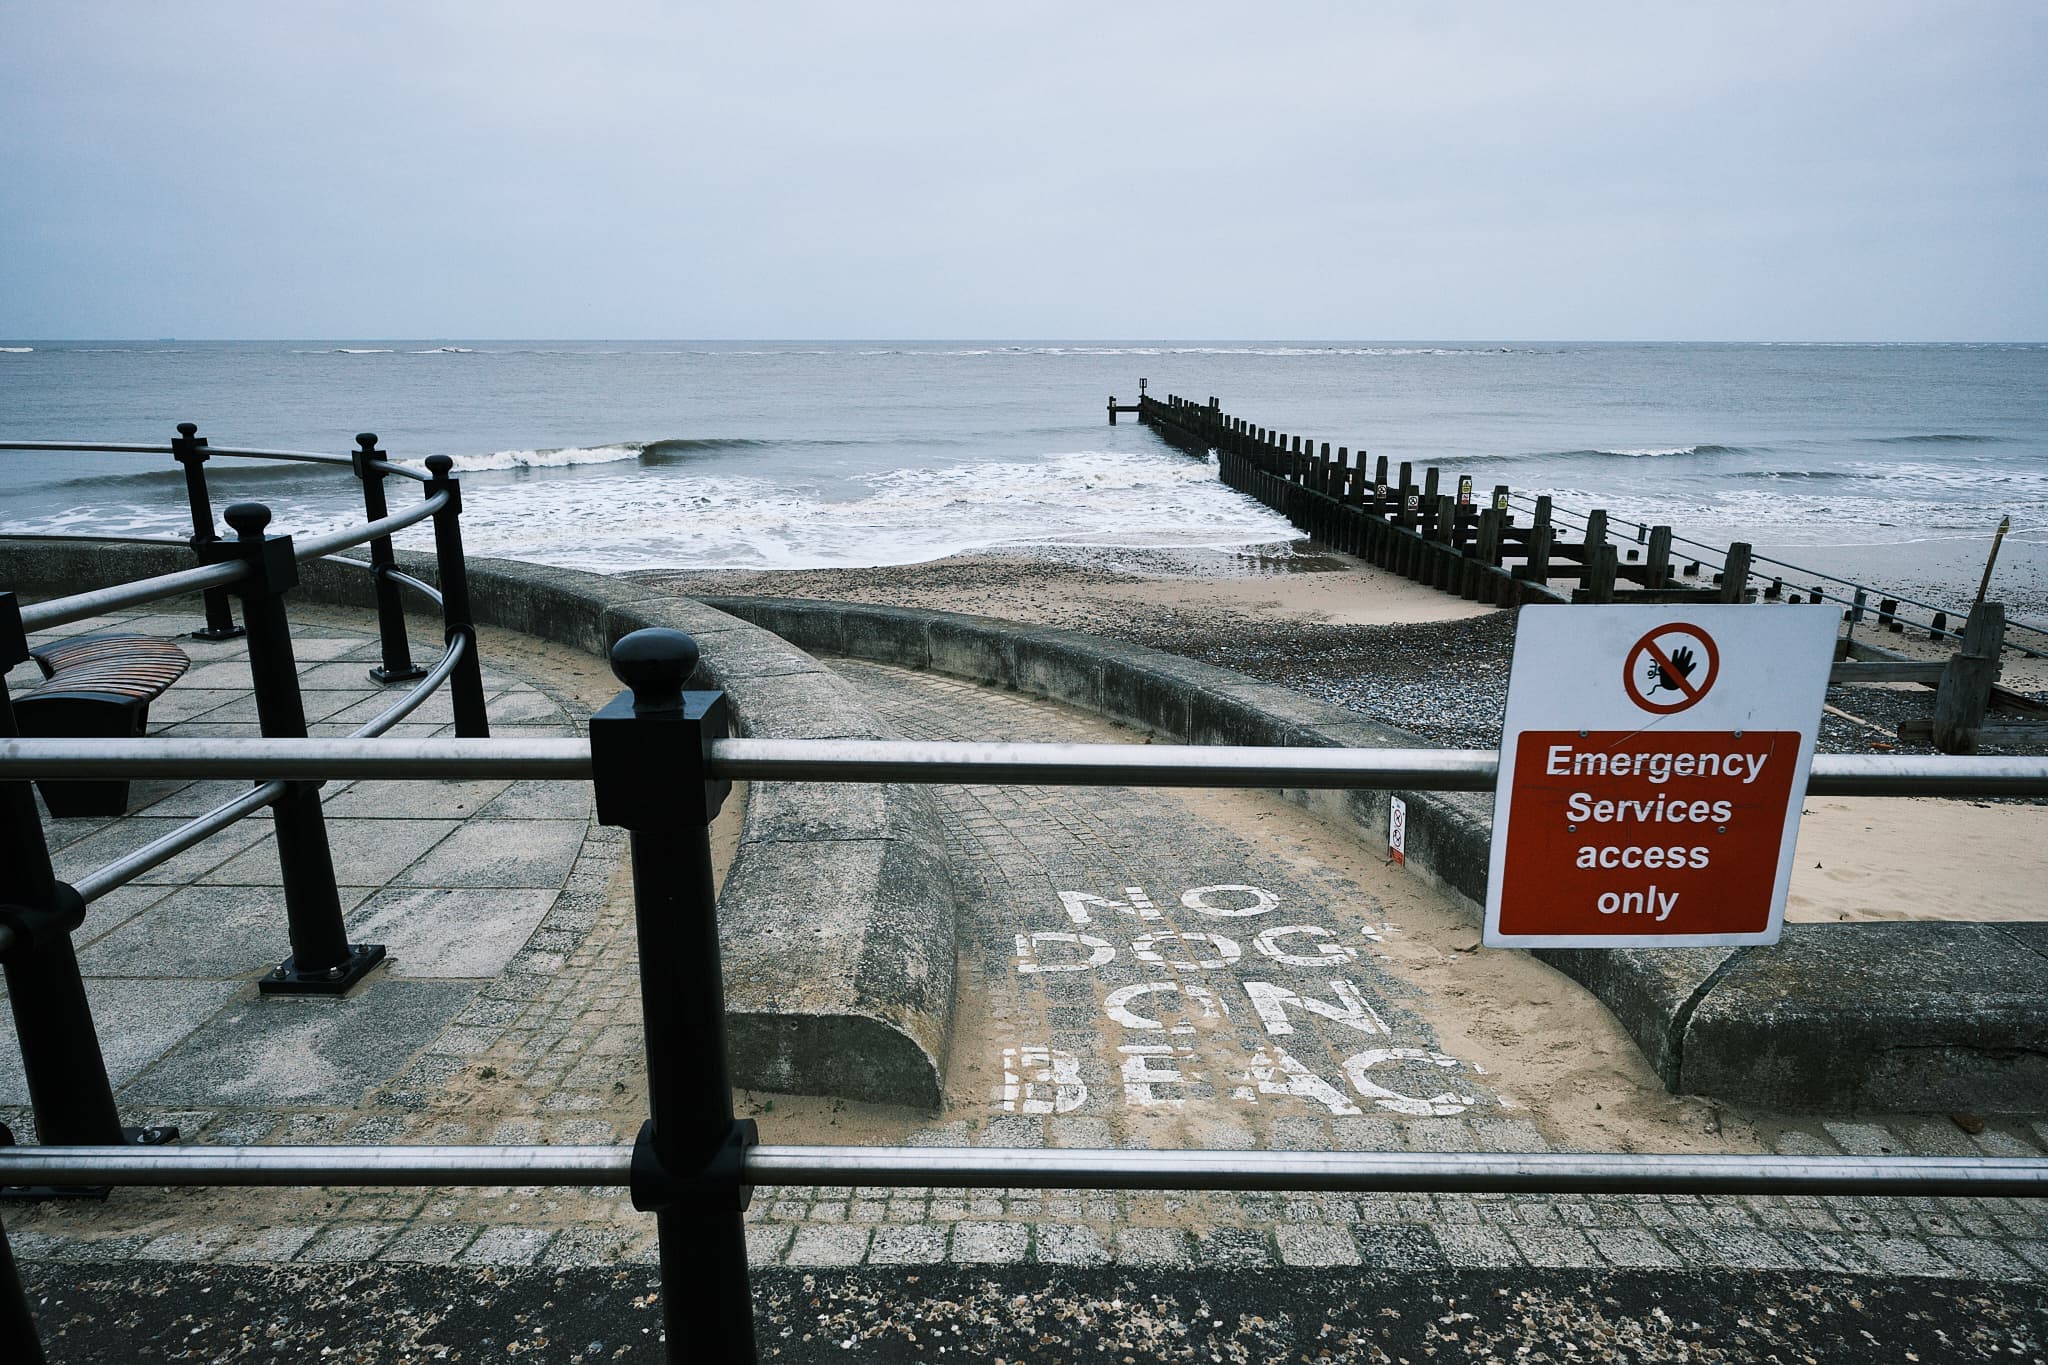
(1179, 1023)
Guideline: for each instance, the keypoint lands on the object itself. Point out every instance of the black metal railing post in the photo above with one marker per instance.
(647, 750)
(398, 665)
(466, 684)
(68, 1089)
(18, 1340)
(188, 448)
(323, 961)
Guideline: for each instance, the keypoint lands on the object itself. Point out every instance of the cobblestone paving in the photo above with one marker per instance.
(1016, 849)
(543, 1045)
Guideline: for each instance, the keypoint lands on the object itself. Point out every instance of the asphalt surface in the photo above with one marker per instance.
(418, 1313)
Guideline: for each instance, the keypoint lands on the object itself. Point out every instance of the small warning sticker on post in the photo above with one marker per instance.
(1397, 830)
(1653, 761)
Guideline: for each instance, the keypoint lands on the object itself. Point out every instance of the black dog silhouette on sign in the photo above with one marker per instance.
(1682, 664)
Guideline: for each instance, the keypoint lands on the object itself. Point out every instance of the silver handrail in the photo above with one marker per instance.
(62, 611)
(98, 540)
(162, 849)
(432, 593)
(851, 760)
(88, 447)
(77, 607)
(424, 688)
(232, 452)
(327, 543)
(317, 759)
(1050, 1168)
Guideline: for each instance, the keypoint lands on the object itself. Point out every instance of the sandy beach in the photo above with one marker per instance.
(1333, 627)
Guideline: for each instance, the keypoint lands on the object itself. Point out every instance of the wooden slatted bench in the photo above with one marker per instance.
(97, 686)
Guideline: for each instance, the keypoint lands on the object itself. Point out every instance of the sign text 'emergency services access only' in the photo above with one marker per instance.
(1652, 765)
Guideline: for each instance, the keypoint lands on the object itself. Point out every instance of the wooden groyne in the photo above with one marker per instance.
(1439, 533)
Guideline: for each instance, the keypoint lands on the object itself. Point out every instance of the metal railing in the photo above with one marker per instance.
(661, 763)
(69, 1090)
(926, 761)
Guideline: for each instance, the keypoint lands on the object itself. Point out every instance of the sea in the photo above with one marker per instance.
(1891, 464)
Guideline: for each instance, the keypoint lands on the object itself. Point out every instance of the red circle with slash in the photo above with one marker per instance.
(1654, 668)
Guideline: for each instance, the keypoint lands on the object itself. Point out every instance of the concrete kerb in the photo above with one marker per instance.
(837, 917)
(1937, 1017)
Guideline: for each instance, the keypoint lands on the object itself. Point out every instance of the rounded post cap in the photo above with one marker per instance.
(188, 429)
(367, 440)
(440, 465)
(248, 519)
(655, 664)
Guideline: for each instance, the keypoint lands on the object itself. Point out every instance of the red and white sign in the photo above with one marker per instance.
(1652, 765)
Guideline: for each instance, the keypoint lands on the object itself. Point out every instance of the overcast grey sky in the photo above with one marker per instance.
(1858, 171)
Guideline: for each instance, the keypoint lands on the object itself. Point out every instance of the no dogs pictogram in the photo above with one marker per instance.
(1671, 668)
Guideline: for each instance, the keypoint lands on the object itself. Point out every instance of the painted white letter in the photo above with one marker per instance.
(1099, 952)
(1118, 1004)
(1140, 1078)
(1326, 954)
(1025, 1069)
(1227, 951)
(1197, 899)
(1350, 1010)
(1443, 1105)
(1280, 1074)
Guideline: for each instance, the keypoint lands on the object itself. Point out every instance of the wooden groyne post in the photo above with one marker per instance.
(1137, 408)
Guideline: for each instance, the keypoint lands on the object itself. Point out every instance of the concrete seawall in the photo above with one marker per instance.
(837, 916)
(1939, 1017)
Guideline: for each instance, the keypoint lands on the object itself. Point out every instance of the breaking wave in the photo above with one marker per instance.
(1938, 438)
(613, 453)
(1639, 452)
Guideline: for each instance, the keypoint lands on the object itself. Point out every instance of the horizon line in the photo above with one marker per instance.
(1069, 340)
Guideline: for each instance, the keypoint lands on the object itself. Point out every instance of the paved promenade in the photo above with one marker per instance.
(1138, 969)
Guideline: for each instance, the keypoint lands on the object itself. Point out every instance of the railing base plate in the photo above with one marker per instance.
(287, 979)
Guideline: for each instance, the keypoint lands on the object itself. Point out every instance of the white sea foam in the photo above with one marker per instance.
(679, 518)
(17, 350)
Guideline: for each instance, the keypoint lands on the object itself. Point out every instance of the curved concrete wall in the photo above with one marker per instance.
(1937, 1017)
(836, 921)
